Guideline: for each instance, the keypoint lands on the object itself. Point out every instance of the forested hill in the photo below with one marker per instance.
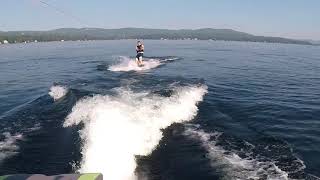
(138, 33)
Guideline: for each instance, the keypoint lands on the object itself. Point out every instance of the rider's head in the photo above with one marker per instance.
(139, 43)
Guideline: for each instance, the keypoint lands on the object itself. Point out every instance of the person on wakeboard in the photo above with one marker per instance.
(140, 50)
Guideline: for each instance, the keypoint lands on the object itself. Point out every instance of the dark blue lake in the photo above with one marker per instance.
(196, 110)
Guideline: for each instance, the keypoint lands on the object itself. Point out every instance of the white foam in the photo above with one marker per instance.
(116, 128)
(231, 164)
(8, 146)
(36, 126)
(170, 59)
(57, 92)
(127, 64)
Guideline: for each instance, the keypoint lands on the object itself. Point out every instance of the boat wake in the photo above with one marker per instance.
(8, 146)
(119, 127)
(273, 160)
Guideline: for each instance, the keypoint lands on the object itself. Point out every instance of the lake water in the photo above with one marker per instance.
(196, 110)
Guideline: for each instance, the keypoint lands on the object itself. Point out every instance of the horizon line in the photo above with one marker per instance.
(176, 29)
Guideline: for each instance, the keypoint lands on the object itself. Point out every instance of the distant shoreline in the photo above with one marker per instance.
(39, 42)
(83, 34)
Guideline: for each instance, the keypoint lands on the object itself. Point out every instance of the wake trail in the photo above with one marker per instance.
(249, 162)
(119, 127)
(8, 146)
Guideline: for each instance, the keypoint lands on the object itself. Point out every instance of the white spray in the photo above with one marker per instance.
(116, 128)
(127, 64)
(57, 92)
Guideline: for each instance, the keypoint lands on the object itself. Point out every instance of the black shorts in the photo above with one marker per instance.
(139, 55)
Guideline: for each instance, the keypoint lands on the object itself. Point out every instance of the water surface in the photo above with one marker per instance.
(197, 110)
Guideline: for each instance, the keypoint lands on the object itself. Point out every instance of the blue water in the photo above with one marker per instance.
(259, 118)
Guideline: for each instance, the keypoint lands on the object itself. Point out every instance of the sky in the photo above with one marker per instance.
(299, 19)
